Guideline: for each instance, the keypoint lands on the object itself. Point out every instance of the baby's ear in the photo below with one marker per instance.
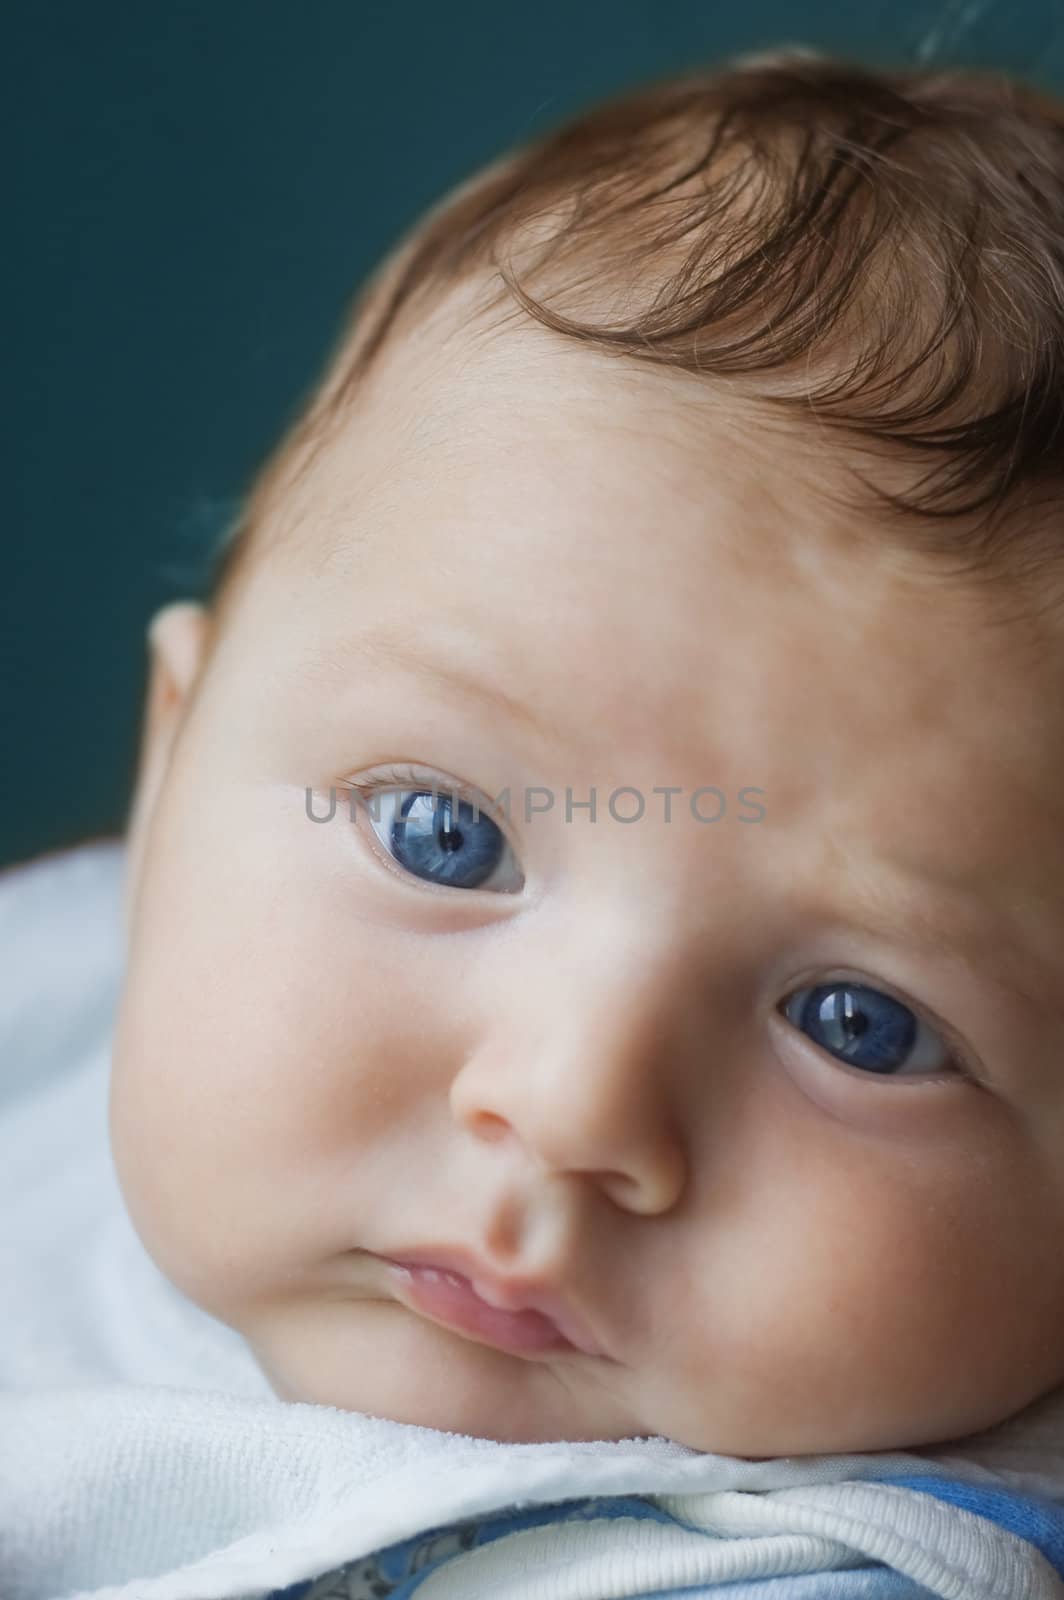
(177, 637)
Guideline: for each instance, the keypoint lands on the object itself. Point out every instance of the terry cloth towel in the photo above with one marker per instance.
(143, 1455)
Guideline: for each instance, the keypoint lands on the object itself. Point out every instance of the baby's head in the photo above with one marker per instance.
(701, 462)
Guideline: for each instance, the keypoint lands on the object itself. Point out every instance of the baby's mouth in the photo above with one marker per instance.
(449, 1298)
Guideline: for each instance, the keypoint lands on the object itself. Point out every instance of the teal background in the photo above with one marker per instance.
(197, 190)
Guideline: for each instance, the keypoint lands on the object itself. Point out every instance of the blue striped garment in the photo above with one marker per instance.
(397, 1572)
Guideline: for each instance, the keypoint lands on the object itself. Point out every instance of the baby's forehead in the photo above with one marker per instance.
(462, 427)
(526, 453)
(466, 425)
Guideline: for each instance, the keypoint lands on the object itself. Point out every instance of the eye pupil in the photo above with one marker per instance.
(849, 1021)
(448, 837)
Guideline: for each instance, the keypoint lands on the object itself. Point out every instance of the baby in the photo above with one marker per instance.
(596, 876)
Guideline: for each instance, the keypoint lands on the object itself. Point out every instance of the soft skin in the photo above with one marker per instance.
(591, 1079)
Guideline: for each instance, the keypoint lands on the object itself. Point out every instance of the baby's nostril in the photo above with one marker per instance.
(490, 1127)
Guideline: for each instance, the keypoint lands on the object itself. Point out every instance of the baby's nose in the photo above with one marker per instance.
(586, 1092)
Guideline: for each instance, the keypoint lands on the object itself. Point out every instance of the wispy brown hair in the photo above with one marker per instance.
(879, 253)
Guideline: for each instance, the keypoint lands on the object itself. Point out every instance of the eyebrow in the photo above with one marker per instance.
(389, 648)
(958, 922)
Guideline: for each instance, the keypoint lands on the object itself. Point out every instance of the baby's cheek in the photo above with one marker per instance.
(179, 1140)
(146, 1148)
(870, 1299)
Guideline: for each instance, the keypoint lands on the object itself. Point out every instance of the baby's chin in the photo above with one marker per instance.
(410, 1414)
(518, 1430)
(380, 1361)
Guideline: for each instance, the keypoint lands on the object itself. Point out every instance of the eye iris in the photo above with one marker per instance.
(426, 841)
(866, 1028)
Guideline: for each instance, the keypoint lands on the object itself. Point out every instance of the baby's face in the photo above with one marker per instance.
(703, 1080)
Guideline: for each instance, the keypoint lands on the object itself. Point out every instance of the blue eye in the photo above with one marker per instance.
(440, 838)
(868, 1029)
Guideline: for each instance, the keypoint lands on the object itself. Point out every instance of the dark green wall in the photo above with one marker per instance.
(197, 189)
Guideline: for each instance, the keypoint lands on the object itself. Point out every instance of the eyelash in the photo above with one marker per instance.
(407, 777)
(404, 776)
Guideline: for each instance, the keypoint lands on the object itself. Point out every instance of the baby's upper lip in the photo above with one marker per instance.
(506, 1294)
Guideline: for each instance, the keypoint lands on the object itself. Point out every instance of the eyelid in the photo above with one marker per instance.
(965, 1063)
(422, 779)
(402, 777)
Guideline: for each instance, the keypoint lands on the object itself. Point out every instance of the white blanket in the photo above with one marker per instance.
(143, 1456)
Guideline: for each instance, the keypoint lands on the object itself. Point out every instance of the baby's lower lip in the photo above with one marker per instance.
(449, 1298)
